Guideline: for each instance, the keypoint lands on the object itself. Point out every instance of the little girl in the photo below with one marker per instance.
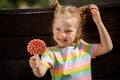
(71, 58)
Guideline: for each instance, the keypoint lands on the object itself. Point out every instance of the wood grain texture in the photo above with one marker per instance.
(18, 27)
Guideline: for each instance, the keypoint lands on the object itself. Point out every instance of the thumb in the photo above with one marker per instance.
(37, 60)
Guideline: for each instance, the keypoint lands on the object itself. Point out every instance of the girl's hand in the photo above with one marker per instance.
(95, 13)
(34, 61)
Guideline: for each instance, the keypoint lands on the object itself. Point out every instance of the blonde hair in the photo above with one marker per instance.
(77, 12)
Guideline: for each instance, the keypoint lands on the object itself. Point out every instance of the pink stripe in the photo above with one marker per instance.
(72, 66)
(86, 77)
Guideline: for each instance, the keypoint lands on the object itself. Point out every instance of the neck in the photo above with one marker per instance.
(61, 47)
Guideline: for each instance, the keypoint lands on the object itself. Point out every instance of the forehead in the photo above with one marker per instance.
(65, 21)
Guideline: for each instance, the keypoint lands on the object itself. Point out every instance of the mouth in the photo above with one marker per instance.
(63, 40)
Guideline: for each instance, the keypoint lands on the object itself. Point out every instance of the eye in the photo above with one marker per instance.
(68, 31)
(58, 29)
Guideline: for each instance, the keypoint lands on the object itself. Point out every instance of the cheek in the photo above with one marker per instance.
(55, 34)
(72, 36)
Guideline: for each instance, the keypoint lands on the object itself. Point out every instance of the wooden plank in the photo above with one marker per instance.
(16, 48)
(17, 29)
(106, 66)
(19, 70)
(17, 24)
(86, 2)
(25, 24)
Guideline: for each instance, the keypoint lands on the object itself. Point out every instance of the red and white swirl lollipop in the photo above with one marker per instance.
(36, 46)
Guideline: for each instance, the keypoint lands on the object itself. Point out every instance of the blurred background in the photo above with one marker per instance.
(23, 20)
(25, 4)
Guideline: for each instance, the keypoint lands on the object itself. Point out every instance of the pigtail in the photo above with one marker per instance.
(56, 5)
(84, 12)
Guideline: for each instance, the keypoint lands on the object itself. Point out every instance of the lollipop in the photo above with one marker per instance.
(36, 46)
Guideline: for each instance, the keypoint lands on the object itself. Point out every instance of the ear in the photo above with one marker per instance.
(79, 31)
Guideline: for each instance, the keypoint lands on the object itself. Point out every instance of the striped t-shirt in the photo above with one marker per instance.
(70, 63)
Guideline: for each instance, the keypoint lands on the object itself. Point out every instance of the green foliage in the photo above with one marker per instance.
(13, 4)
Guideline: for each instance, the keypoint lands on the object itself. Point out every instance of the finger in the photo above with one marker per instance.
(37, 60)
(92, 6)
(94, 12)
(33, 58)
(36, 55)
(33, 64)
(36, 64)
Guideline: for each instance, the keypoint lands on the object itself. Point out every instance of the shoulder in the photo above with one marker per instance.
(81, 41)
(51, 49)
(87, 46)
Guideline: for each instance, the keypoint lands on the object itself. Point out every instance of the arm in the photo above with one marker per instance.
(105, 44)
(38, 69)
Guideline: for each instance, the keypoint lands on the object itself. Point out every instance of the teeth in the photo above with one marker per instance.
(63, 40)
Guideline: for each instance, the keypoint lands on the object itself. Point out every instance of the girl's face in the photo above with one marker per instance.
(65, 30)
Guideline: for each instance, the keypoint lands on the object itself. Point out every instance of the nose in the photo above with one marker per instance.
(63, 34)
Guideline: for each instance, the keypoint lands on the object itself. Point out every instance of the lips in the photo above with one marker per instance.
(63, 40)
